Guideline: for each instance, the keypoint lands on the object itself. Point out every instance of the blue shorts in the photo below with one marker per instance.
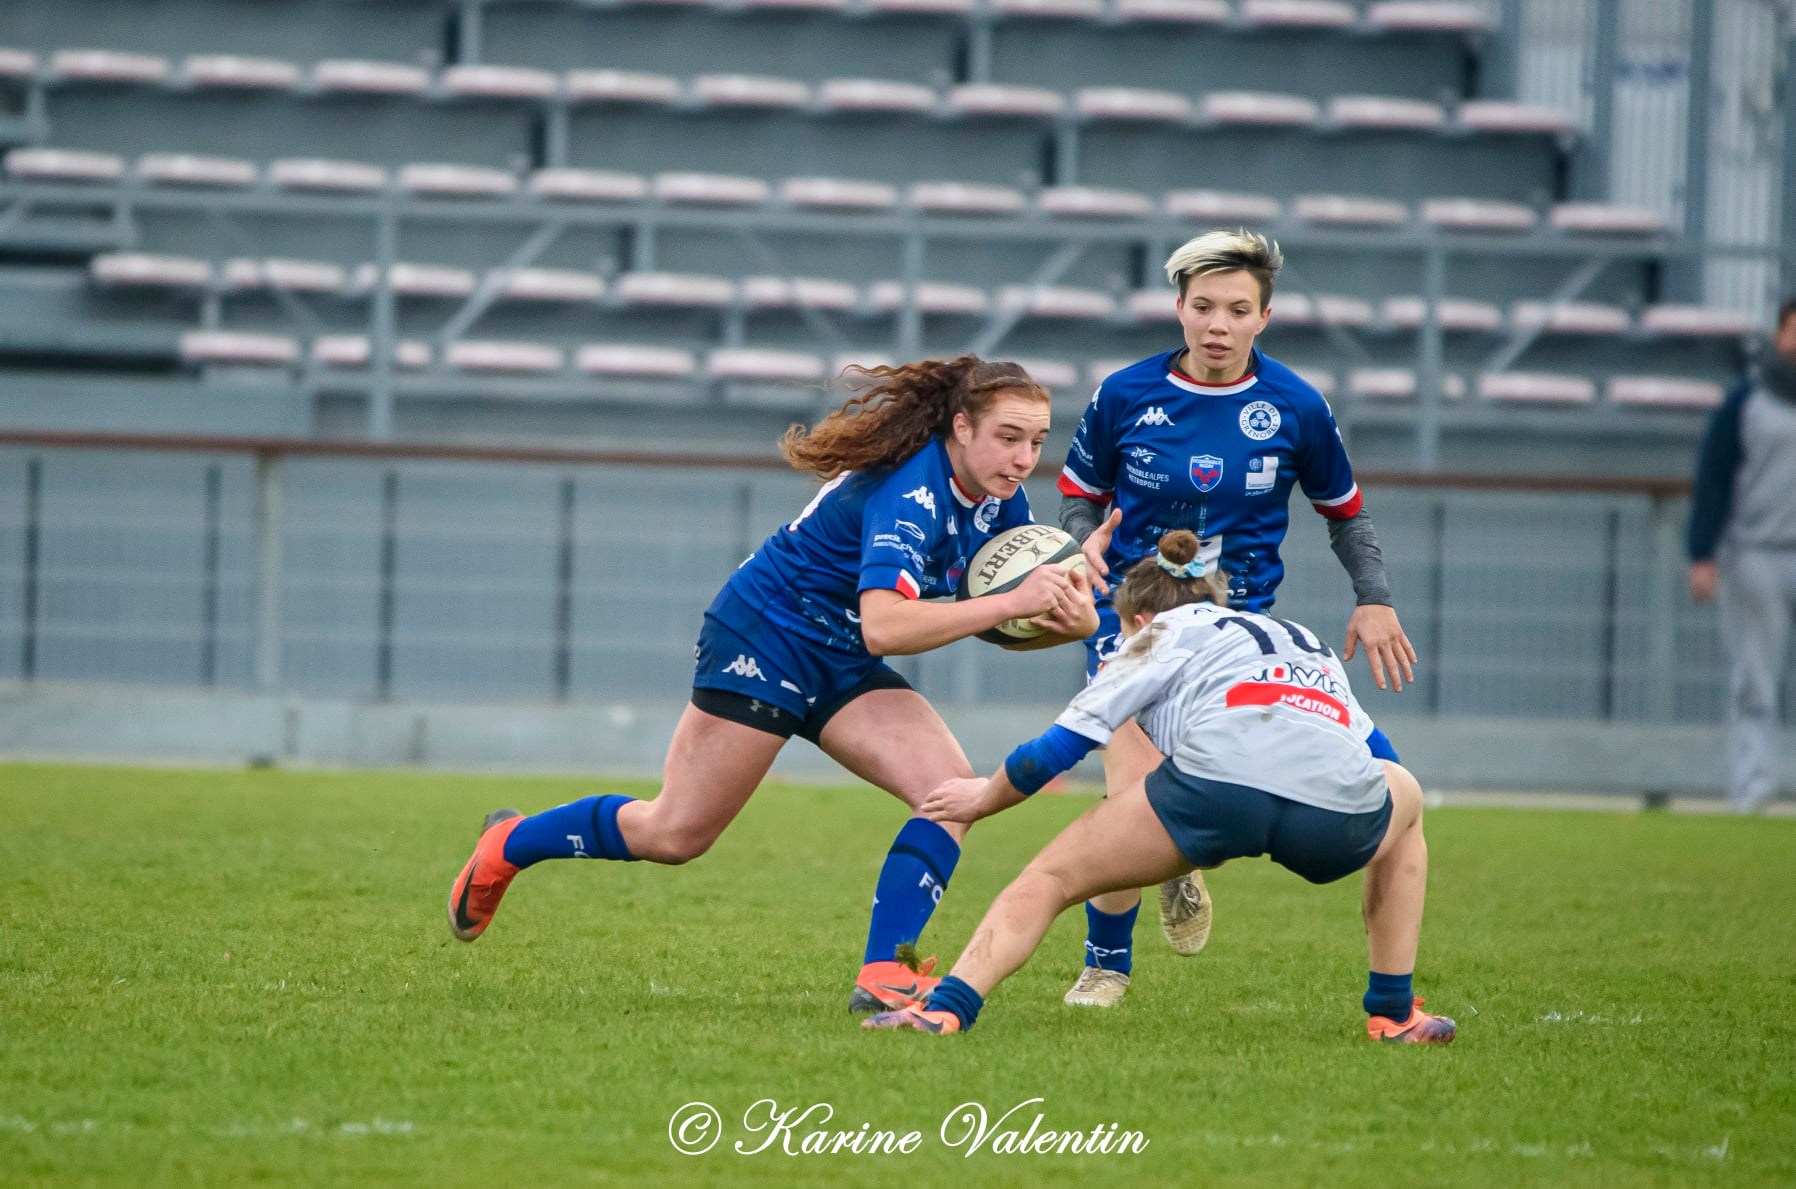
(806, 685)
(1211, 822)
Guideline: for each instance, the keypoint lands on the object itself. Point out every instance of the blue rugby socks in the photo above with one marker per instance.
(952, 995)
(915, 875)
(583, 829)
(1109, 938)
(1388, 995)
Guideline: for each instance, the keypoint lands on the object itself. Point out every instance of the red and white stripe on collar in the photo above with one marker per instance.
(1179, 379)
(960, 495)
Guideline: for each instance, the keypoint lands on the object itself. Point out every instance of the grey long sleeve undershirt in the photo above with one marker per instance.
(1354, 541)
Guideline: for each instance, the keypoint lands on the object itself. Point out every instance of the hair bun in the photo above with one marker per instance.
(1179, 546)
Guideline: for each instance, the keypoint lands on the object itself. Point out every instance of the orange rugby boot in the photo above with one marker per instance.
(474, 896)
(1420, 1029)
(940, 1023)
(892, 986)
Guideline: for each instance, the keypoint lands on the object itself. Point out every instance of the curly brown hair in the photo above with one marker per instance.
(904, 407)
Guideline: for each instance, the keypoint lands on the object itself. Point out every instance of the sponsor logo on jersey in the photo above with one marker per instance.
(953, 527)
(1260, 420)
(1262, 474)
(956, 570)
(1301, 687)
(1142, 455)
(1081, 449)
(745, 666)
(1206, 471)
(1156, 415)
(923, 497)
(986, 515)
(913, 531)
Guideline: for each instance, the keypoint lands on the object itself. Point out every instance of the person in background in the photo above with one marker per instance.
(1743, 554)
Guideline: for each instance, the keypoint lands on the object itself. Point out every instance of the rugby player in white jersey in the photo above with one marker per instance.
(1266, 753)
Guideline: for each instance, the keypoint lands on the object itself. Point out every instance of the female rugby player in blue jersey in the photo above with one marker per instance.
(919, 471)
(1211, 438)
(1266, 753)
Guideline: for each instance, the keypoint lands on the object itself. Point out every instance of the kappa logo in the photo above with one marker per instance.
(1260, 420)
(924, 497)
(745, 666)
(1156, 415)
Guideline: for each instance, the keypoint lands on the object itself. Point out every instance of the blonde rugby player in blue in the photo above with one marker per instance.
(918, 472)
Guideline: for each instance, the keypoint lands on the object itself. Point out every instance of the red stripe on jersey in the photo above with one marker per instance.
(907, 586)
(1347, 509)
(1272, 693)
(1071, 486)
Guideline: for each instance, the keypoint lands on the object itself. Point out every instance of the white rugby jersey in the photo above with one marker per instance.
(1241, 698)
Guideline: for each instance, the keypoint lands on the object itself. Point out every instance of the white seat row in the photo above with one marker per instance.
(439, 181)
(765, 293)
(764, 365)
(830, 96)
(226, 71)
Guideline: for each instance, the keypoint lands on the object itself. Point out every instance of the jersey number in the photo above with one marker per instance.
(1263, 638)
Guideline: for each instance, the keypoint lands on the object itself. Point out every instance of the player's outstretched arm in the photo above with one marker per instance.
(1024, 773)
(967, 799)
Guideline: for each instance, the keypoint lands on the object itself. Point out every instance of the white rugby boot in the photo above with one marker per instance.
(1098, 987)
(1185, 913)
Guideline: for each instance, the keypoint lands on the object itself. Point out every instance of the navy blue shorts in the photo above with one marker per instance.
(1212, 822)
(777, 683)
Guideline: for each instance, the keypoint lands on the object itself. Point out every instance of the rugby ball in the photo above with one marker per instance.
(1004, 561)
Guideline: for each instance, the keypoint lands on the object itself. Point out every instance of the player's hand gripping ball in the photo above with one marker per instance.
(1002, 564)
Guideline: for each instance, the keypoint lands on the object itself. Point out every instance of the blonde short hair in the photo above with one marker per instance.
(1226, 251)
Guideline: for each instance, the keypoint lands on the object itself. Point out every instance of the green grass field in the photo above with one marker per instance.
(238, 977)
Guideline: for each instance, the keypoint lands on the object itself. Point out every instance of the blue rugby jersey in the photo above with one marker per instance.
(910, 529)
(1219, 460)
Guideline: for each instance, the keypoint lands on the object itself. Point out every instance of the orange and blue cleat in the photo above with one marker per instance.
(1420, 1029)
(941, 1023)
(892, 986)
(474, 896)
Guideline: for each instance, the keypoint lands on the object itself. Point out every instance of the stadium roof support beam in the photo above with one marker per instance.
(301, 313)
(813, 318)
(1597, 151)
(911, 260)
(1004, 319)
(1787, 269)
(382, 323)
(1524, 335)
(1431, 359)
(1500, 71)
(487, 291)
(1687, 276)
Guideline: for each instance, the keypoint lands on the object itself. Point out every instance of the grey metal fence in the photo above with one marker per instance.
(418, 574)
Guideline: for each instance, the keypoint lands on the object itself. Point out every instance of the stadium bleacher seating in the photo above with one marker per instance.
(583, 193)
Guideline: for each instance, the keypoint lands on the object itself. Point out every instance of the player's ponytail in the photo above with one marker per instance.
(899, 412)
(1170, 578)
